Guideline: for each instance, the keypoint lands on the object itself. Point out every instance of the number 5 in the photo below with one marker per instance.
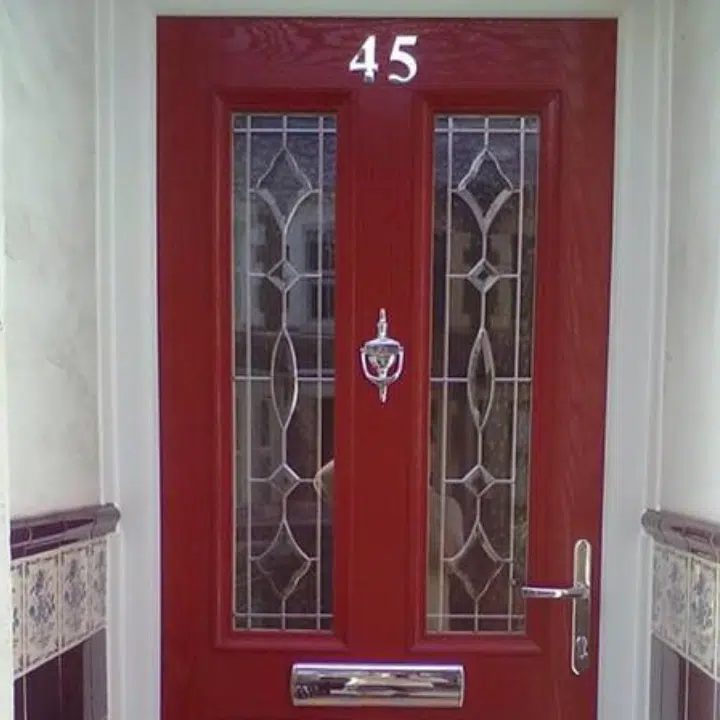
(399, 55)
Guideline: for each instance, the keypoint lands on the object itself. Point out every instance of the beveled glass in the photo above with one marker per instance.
(284, 282)
(485, 188)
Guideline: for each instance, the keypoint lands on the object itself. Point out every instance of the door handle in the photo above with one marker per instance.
(554, 593)
(580, 596)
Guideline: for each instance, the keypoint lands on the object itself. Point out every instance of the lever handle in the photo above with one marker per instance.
(534, 592)
(579, 594)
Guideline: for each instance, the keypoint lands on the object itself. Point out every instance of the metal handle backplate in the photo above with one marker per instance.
(579, 594)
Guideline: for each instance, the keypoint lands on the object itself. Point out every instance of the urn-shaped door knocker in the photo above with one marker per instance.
(382, 358)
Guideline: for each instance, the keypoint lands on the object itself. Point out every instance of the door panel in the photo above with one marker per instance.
(303, 519)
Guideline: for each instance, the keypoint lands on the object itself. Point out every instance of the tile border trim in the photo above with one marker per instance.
(40, 533)
(683, 532)
(59, 600)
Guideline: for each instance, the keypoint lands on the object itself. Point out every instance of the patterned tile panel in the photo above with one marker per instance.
(18, 620)
(702, 614)
(59, 600)
(41, 640)
(74, 591)
(98, 584)
(685, 605)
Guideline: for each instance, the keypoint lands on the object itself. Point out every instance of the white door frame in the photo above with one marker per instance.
(127, 311)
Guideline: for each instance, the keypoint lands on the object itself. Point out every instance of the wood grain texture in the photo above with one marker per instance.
(208, 68)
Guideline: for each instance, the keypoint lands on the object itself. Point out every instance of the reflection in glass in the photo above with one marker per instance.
(283, 243)
(485, 184)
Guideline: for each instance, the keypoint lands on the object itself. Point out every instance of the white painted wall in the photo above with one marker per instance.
(48, 57)
(6, 654)
(691, 414)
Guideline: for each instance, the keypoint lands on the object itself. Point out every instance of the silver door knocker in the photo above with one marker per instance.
(382, 358)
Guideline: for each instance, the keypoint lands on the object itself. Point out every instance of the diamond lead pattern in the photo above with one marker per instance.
(483, 276)
(485, 181)
(284, 479)
(283, 275)
(477, 561)
(284, 184)
(284, 563)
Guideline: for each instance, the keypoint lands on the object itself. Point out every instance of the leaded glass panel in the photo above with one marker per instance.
(283, 245)
(485, 183)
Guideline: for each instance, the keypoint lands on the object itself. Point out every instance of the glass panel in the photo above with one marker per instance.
(284, 281)
(485, 183)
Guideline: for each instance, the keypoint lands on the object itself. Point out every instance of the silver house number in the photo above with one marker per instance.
(365, 60)
(382, 358)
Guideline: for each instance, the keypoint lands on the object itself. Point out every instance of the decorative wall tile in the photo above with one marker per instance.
(74, 588)
(702, 610)
(670, 596)
(685, 675)
(686, 606)
(658, 582)
(59, 600)
(59, 595)
(18, 620)
(42, 639)
(98, 584)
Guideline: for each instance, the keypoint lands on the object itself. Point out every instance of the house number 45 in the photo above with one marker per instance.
(365, 59)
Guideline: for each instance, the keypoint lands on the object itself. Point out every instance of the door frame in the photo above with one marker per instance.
(128, 345)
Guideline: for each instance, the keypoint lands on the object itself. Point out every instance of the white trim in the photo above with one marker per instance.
(637, 331)
(127, 307)
(6, 652)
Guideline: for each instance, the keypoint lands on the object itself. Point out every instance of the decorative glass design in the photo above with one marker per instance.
(283, 245)
(485, 182)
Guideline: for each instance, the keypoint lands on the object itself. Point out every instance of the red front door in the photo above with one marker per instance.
(457, 175)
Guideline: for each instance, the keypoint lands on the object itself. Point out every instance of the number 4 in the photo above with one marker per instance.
(365, 59)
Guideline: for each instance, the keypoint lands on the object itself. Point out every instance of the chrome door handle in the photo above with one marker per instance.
(554, 593)
(579, 593)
